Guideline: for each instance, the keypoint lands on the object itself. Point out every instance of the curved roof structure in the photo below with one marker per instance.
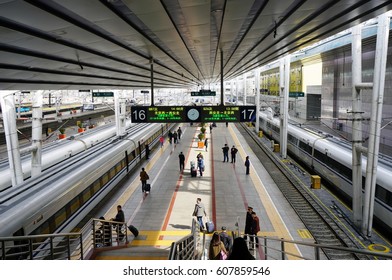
(87, 44)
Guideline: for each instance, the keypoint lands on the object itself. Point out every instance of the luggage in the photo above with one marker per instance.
(134, 230)
(193, 172)
(210, 226)
(147, 188)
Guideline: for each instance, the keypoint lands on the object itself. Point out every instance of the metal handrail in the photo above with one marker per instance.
(275, 248)
(42, 247)
(188, 247)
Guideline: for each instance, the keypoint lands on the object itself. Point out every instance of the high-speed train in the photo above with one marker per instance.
(331, 158)
(43, 206)
(60, 150)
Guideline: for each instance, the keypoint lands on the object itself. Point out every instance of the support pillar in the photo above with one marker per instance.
(284, 82)
(257, 98)
(11, 136)
(36, 136)
(120, 108)
(375, 121)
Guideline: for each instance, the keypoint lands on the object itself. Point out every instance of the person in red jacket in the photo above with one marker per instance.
(255, 229)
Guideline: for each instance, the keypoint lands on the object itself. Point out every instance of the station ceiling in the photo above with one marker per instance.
(118, 44)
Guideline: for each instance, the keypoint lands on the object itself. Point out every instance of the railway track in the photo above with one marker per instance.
(323, 227)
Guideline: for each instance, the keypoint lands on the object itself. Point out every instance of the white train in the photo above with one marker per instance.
(61, 150)
(331, 158)
(45, 204)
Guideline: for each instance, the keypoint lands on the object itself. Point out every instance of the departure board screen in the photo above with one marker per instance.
(181, 114)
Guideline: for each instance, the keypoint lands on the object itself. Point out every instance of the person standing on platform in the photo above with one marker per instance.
(200, 165)
(206, 143)
(175, 137)
(247, 165)
(248, 222)
(120, 217)
(210, 128)
(181, 158)
(179, 133)
(255, 229)
(234, 151)
(199, 212)
(143, 178)
(225, 150)
(227, 124)
(161, 140)
(170, 134)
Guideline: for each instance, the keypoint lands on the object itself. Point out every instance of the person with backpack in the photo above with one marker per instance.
(143, 178)
(226, 239)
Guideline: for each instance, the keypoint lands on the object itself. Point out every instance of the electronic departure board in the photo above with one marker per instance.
(180, 114)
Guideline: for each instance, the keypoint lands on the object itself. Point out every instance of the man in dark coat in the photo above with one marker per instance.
(181, 158)
(248, 222)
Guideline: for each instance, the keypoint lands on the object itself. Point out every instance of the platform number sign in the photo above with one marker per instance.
(182, 114)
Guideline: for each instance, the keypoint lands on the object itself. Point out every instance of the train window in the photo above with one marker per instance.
(292, 139)
(305, 147)
(384, 195)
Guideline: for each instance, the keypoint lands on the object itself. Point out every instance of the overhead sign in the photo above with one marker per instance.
(203, 92)
(103, 94)
(180, 114)
(296, 94)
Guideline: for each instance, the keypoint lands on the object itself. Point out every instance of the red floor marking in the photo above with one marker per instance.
(174, 196)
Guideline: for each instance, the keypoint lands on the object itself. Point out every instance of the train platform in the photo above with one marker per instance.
(165, 214)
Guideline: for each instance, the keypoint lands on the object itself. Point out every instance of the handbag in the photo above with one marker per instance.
(223, 255)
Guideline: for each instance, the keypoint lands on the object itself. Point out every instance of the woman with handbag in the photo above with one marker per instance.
(217, 249)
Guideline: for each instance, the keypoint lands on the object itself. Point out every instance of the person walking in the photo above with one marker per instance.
(206, 143)
(240, 250)
(247, 165)
(199, 212)
(200, 165)
(175, 137)
(225, 150)
(161, 140)
(234, 151)
(143, 178)
(179, 133)
(181, 158)
(217, 250)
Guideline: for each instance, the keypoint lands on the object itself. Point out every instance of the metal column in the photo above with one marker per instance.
(119, 102)
(36, 151)
(375, 121)
(284, 102)
(257, 98)
(357, 125)
(11, 136)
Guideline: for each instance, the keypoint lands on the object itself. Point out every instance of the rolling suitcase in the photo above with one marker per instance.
(210, 226)
(134, 230)
(193, 172)
(147, 188)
